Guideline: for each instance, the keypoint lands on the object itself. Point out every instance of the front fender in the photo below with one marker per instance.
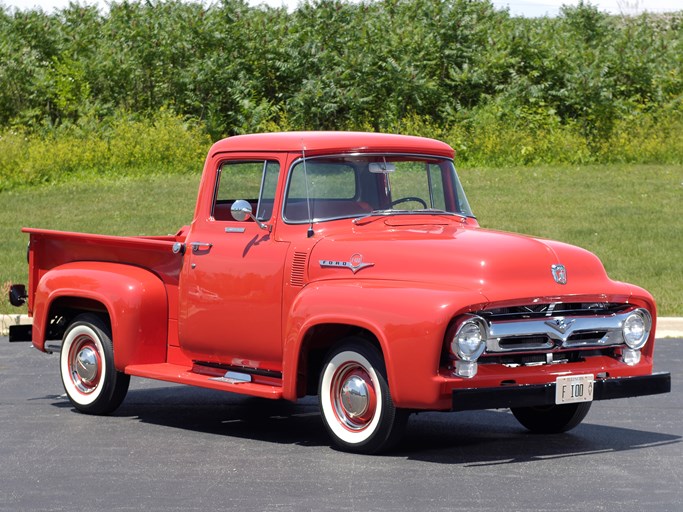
(408, 319)
(135, 300)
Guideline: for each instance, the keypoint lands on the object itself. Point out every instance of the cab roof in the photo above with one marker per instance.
(316, 143)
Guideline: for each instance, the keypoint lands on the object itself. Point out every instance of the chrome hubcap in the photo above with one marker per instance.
(86, 364)
(355, 396)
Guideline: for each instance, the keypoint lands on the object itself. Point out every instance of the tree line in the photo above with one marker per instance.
(584, 84)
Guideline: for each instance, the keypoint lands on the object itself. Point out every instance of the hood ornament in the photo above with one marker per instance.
(559, 273)
(354, 264)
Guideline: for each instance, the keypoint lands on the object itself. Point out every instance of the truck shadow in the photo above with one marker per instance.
(491, 438)
(476, 438)
(227, 414)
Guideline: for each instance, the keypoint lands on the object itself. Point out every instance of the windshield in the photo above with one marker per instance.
(338, 187)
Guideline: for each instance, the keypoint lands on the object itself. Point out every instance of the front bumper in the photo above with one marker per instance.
(504, 397)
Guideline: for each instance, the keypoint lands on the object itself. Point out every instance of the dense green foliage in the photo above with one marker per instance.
(582, 87)
(118, 145)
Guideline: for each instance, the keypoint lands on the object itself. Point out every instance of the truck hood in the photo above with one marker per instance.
(501, 266)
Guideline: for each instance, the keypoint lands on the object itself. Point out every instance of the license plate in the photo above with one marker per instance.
(575, 388)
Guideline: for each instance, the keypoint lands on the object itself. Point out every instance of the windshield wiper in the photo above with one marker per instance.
(376, 213)
(386, 213)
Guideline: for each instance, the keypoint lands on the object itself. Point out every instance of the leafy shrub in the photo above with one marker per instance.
(502, 137)
(646, 137)
(124, 145)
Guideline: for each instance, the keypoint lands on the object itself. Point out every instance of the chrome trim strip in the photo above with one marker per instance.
(557, 331)
(232, 377)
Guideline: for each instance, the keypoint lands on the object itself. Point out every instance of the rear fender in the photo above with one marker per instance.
(135, 300)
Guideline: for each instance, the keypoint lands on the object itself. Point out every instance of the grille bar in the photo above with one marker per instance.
(555, 332)
(552, 310)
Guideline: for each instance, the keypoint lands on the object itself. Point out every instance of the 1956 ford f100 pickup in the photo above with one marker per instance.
(347, 265)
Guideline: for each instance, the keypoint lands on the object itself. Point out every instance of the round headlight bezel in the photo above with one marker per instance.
(635, 330)
(469, 340)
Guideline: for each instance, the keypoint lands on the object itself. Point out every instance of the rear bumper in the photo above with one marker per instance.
(538, 395)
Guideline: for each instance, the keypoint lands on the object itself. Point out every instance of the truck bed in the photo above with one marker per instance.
(49, 249)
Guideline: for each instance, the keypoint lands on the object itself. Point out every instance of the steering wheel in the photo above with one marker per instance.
(410, 198)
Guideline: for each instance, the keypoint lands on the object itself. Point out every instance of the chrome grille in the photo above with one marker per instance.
(557, 326)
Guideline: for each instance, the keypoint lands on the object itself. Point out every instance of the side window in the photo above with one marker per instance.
(254, 181)
(271, 173)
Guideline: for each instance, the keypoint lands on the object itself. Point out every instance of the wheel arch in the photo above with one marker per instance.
(63, 310)
(132, 300)
(317, 341)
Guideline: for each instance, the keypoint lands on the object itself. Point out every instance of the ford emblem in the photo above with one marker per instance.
(559, 274)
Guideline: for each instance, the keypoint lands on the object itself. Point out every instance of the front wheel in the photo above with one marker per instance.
(87, 367)
(355, 401)
(551, 419)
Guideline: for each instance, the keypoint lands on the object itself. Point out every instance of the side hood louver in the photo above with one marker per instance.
(297, 276)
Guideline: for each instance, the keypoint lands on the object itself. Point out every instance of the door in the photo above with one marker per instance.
(231, 286)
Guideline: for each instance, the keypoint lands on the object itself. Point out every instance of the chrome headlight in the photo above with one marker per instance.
(636, 328)
(469, 341)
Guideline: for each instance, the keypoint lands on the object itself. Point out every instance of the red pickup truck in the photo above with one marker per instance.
(347, 266)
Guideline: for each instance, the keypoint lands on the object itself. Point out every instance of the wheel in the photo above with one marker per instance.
(355, 401)
(410, 198)
(87, 367)
(551, 419)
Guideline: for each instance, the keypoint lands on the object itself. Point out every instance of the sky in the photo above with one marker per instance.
(528, 8)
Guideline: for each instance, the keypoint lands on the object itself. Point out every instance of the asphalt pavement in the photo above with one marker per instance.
(172, 448)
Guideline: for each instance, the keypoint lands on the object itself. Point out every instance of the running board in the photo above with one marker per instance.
(232, 381)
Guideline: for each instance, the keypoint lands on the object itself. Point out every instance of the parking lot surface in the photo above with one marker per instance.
(172, 447)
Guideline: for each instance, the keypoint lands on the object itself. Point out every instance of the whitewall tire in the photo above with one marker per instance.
(87, 367)
(355, 400)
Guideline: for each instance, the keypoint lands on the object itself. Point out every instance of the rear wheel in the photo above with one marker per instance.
(87, 367)
(355, 400)
(551, 419)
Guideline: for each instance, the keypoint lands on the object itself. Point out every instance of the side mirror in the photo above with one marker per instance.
(241, 211)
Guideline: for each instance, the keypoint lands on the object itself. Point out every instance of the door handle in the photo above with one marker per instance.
(201, 246)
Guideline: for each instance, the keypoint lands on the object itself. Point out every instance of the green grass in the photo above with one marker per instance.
(129, 206)
(630, 216)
